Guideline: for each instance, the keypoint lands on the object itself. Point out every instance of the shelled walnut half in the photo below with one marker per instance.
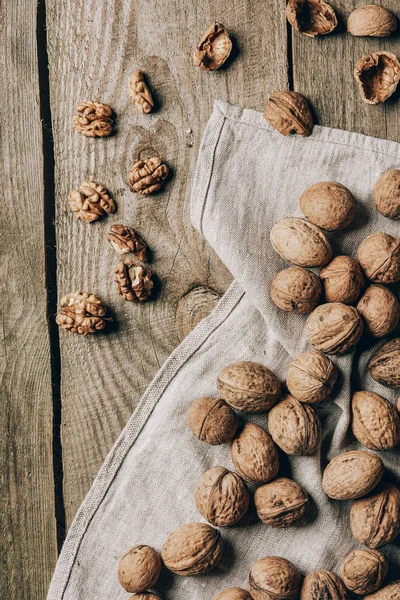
(126, 241)
(140, 93)
(93, 119)
(82, 313)
(91, 201)
(133, 282)
(147, 176)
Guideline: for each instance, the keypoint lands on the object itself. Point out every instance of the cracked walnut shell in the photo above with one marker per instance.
(134, 283)
(222, 498)
(375, 520)
(139, 568)
(363, 571)
(352, 475)
(387, 194)
(126, 241)
(280, 503)
(93, 119)
(379, 256)
(311, 17)
(323, 585)
(380, 310)
(140, 93)
(213, 49)
(289, 112)
(81, 313)
(389, 592)
(377, 76)
(311, 377)
(333, 328)
(91, 202)
(296, 290)
(147, 176)
(328, 205)
(371, 20)
(233, 594)
(384, 365)
(274, 578)
(254, 454)
(376, 422)
(295, 427)
(301, 242)
(342, 280)
(212, 420)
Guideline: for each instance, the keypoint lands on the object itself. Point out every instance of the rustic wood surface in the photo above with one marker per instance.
(92, 49)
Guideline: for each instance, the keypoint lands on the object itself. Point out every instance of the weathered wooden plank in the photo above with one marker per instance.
(93, 47)
(27, 523)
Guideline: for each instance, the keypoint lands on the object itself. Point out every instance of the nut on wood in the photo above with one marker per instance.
(91, 201)
(133, 283)
(213, 49)
(372, 21)
(311, 17)
(93, 119)
(148, 176)
(126, 241)
(82, 313)
(140, 93)
(377, 76)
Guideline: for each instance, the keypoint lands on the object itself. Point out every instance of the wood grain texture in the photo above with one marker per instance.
(93, 47)
(27, 524)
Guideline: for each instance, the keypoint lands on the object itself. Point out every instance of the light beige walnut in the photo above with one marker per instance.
(334, 327)
(342, 280)
(296, 290)
(375, 520)
(289, 112)
(254, 454)
(301, 242)
(364, 570)
(377, 76)
(311, 377)
(384, 365)
(192, 549)
(311, 17)
(281, 502)
(139, 568)
(379, 256)
(274, 578)
(387, 194)
(221, 497)
(380, 310)
(212, 420)
(389, 592)
(323, 585)
(371, 20)
(352, 475)
(376, 422)
(329, 205)
(233, 594)
(295, 427)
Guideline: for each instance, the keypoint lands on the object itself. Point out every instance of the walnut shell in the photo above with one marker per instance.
(333, 328)
(376, 422)
(301, 242)
(352, 475)
(380, 310)
(323, 585)
(233, 594)
(342, 280)
(379, 256)
(311, 377)
(254, 454)
(294, 427)
(139, 568)
(371, 20)
(296, 290)
(384, 365)
(364, 570)
(375, 520)
(145, 596)
(311, 17)
(281, 502)
(389, 592)
(221, 497)
(212, 420)
(192, 549)
(387, 194)
(377, 76)
(213, 49)
(274, 578)
(329, 205)
(289, 112)
(248, 386)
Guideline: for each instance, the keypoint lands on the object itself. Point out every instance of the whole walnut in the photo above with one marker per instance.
(212, 420)
(329, 205)
(139, 568)
(387, 194)
(377, 76)
(221, 497)
(248, 386)
(233, 594)
(311, 377)
(380, 310)
(213, 49)
(254, 454)
(379, 256)
(323, 585)
(148, 176)
(371, 20)
(364, 570)
(333, 328)
(145, 596)
(192, 549)
(311, 17)
(342, 280)
(376, 422)
(274, 578)
(296, 290)
(389, 592)
(281, 502)
(289, 112)
(352, 475)
(301, 242)
(375, 520)
(294, 427)
(384, 365)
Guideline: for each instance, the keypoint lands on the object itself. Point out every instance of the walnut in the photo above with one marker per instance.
(93, 119)
(139, 568)
(371, 20)
(274, 578)
(91, 201)
(82, 313)
(352, 475)
(301, 242)
(212, 420)
(248, 386)
(329, 205)
(192, 549)
(233, 594)
(281, 502)
(323, 585)
(311, 377)
(389, 592)
(380, 310)
(333, 328)
(376, 422)
(387, 194)
(134, 283)
(147, 176)
(364, 570)
(126, 241)
(384, 365)
(289, 112)
(140, 93)
(311, 17)
(221, 497)
(377, 76)
(375, 520)
(145, 596)
(296, 290)
(379, 256)
(213, 49)
(342, 280)
(254, 454)
(294, 427)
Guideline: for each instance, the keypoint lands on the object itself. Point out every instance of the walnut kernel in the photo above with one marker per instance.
(213, 49)
(296, 290)
(329, 205)
(221, 497)
(212, 420)
(254, 454)
(377, 76)
(139, 568)
(289, 112)
(274, 578)
(333, 328)
(140, 93)
(380, 310)
(134, 283)
(387, 194)
(352, 475)
(295, 427)
(126, 241)
(281, 502)
(147, 176)
(82, 313)
(301, 242)
(93, 119)
(192, 549)
(90, 202)
(342, 280)
(311, 377)
(364, 570)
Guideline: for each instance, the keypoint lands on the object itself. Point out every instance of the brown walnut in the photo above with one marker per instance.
(93, 119)
(301, 242)
(375, 520)
(377, 76)
(380, 310)
(376, 422)
(329, 205)
(147, 176)
(192, 549)
(384, 365)
(352, 475)
(295, 427)
(387, 194)
(134, 283)
(213, 49)
(281, 502)
(296, 290)
(126, 241)
(364, 570)
(274, 578)
(289, 112)
(323, 585)
(248, 386)
(221, 497)
(90, 202)
(82, 313)
(140, 93)
(145, 596)
(311, 377)
(311, 17)
(233, 594)
(371, 20)
(139, 568)
(342, 280)
(379, 256)
(389, 592)
(254, 454)
(333, 328)
(212, 420)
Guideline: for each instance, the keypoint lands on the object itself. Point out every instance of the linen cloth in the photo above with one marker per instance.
(248, 177)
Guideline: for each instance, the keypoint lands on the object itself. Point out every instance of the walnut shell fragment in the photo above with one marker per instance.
(387, 194)
(301, 242)
(254, 454)
(311, 17)
(134, 283)
(148, 176)
(274, 578)
(296, 290)
(323, 585)
(126, 241)
(140, 93)
(311, 377)
(376, 422)
(280, 503)
(333, 328)
(379, 256)
(213, 49)
(139, 568)
(295, 427)
(93, 119)
(389, 592)
(329, 205)
(375, 520)
(371, 20)
(91, 201)
(221, 497)
(82, 313)
(233, 594)
(212, 420)
(289, 112)
(352, 475)
(384, 365)
(364, 570)
(342, 280)
(377, 76)
(380, 310)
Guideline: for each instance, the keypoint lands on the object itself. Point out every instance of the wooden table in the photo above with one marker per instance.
(64, 399)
